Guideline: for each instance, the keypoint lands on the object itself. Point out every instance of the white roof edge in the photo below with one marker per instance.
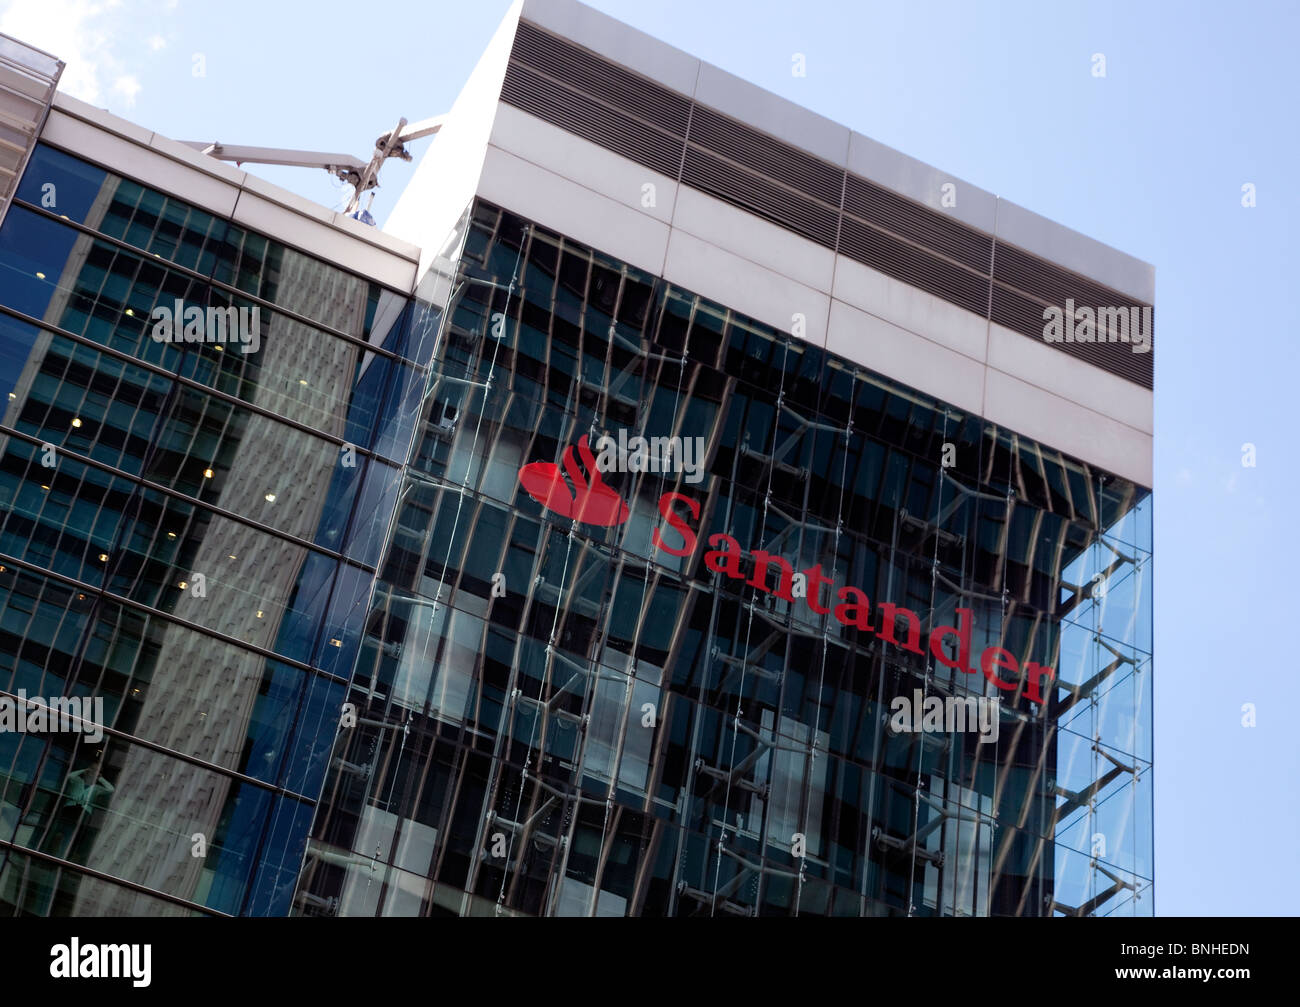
(220, 170)
(1075, 251)
(448, 174)
(616, 40)
(814, 133)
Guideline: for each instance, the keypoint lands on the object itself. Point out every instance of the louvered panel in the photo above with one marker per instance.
(761, 153)
(759, 195)
(905, 217)
(599, 78)
(583, 116)
(637, 118)
(1025, 315)
(1050, 282)
(895, 257)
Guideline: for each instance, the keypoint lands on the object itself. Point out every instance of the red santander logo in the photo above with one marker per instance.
(592, 502)
(589, 501)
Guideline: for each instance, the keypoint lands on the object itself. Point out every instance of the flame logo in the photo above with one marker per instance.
(590, 501)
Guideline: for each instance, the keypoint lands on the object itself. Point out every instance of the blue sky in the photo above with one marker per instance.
(1197, 100)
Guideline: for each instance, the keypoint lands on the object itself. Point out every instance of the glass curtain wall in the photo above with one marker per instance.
(189, 533)
(628, 687)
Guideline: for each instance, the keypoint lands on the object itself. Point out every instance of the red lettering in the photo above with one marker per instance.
(962, 663)
(680, 526)
(856, 610)
(1036, 672)
(730, 564)
(727, 555)
(993, 659)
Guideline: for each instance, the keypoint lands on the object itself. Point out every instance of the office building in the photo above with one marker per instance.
(571, 546)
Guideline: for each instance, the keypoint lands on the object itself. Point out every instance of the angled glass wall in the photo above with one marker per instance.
(648, 687)
(189, 533)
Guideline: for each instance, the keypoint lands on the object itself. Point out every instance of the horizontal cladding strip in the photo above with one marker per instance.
(892, 347)
(1025, 315)
(912, 265)
(1051, 283)
(877, 205)
(752, 192)
(588, 118)
(803, 172)
(634, 117)
(601, 79)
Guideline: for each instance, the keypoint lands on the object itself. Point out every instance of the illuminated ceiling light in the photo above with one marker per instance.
(44, 487)
(103, 557)
(302, 381)
(233, 556)
(259, 613)
(13, 395)
(270, 498)
(207, 473)
(335, 643)
(130, 312)
(40, 276)
(184, 585)
(221, 349)
(171, 534)
(76, 421)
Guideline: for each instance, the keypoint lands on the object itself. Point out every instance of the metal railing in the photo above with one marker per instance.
(28, 79)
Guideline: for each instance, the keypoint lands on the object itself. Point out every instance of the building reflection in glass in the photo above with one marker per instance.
(561, 718)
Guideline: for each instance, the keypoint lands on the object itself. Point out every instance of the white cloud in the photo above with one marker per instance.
(127, 86)
(157, 42)
(90, 36)
(66, 29)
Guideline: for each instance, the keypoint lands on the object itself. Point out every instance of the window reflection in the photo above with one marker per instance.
(766, 784)
(188, 533)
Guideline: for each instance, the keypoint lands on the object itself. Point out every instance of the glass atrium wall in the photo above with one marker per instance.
(578, 718)
(189, 532)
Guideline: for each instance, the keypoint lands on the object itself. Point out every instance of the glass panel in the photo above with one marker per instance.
(98, 806)
(997, 570)
(33, 887)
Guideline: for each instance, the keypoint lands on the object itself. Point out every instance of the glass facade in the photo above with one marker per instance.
(376, 631)
(189, 533)
(591, 689)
